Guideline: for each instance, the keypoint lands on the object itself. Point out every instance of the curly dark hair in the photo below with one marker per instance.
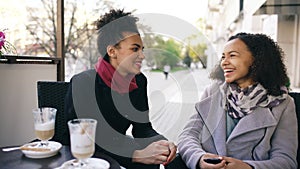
(268, 67)
(110, 27)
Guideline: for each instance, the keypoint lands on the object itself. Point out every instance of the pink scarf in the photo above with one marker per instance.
(113, 79)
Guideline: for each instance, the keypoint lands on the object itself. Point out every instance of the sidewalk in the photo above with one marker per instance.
(172, 101)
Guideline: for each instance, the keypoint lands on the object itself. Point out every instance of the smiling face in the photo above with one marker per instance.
(128, 55)
(236, 62)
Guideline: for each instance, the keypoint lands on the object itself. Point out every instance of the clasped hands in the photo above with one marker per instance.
(159, 152)
(226, 163)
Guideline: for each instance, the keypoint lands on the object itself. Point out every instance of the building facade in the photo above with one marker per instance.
(277, 18)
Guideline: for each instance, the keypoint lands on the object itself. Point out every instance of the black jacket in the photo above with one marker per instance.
(89, 97)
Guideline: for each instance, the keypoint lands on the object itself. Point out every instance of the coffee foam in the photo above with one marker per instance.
(45, 126)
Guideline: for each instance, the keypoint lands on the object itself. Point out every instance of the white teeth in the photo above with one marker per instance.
(230, 70)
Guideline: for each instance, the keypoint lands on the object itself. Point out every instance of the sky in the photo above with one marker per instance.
(188, 10)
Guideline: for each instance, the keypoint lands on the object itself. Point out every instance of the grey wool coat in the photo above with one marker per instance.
(265, 139)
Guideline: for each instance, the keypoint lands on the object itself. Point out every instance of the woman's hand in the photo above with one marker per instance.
(172, 152)
(226, 163)
(233, 163)
(159, 152)
(205, 165)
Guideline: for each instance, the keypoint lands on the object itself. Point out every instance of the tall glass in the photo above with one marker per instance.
(82, 137)
(44, 123)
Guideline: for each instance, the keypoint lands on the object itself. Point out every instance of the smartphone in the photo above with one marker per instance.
(212, 160)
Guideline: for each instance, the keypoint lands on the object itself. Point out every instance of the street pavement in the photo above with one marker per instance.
(172, 100)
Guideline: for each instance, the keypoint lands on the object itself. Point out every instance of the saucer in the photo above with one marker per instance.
(93, 163)
(32, 151)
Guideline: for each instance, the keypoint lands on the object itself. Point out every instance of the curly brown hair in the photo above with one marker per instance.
(268, 67)
(110, 27)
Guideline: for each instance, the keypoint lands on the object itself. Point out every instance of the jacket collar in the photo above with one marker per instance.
(213, 114)
(260, 118)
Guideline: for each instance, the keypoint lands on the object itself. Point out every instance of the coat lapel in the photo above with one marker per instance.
(214, 118)
(260, 118)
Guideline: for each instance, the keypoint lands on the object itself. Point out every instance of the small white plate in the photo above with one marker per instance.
(53, 146)
(94, 163)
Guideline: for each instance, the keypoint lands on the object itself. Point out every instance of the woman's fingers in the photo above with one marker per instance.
(166, 151)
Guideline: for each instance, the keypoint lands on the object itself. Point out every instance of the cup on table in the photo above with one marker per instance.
(44, 123)
(82, 138)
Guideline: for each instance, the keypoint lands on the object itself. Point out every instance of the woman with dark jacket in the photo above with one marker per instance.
(115, 94)
(246, 119)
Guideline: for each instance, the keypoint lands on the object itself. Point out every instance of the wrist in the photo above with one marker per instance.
(199, 162)
(136, 155)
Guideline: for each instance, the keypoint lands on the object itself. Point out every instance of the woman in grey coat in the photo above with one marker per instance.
(246, 119)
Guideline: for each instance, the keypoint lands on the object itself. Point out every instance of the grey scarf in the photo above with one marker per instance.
(240, 102)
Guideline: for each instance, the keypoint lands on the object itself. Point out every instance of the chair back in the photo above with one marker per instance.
(52, 94)
(296, 97)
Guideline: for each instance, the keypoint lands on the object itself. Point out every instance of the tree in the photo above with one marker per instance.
(160, 51)
(187, 60)
(197, 53)
(197, 44)
(172, 52)
(78, 31)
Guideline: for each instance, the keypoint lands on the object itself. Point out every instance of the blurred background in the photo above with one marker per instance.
(32, 25)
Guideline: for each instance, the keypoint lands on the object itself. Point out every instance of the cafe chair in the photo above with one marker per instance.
(296, 97)
(52, 94)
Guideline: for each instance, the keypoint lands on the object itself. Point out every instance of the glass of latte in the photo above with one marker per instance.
(44, 122)
(82, 140)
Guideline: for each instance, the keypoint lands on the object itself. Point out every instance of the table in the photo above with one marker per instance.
(17, 160)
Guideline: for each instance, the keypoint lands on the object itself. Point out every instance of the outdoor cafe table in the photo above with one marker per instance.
(17, 160)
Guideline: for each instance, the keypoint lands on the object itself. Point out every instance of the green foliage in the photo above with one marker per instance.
(197, 53)
(163, 51)
(174, 69)
(197, 46)
(187, 60)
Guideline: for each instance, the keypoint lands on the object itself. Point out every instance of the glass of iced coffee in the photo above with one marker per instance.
(44, 123)
(82, 138)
